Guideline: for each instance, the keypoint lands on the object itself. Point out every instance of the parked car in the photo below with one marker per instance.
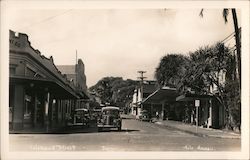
(144, 116)
(80, 117)
(110, 118)
(96, 113)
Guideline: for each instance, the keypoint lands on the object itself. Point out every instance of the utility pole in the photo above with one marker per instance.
(77, 102)
(76, 69)
(141, 83)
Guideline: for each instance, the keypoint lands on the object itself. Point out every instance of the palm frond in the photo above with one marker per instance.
(225, 14)
(201, 12)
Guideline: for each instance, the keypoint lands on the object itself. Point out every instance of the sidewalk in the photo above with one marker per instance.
(37, 131)
(202, 132)
(128, 116)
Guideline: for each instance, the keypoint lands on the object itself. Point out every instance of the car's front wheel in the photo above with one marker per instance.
(119, 128)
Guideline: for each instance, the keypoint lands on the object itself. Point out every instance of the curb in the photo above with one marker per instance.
(197, 134)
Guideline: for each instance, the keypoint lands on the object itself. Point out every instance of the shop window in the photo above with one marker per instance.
(28, 107)
(12, 70)
(11, 102)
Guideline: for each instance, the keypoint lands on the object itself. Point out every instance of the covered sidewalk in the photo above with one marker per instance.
(158, 102)
(210, 113)
(40, 96)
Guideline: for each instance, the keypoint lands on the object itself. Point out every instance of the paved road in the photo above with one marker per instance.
(135, 136)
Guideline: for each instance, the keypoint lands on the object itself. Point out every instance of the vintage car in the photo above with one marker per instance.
(144, 116)
(80, 117)
(96, 113)
(110, 118)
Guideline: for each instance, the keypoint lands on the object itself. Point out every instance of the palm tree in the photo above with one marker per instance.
(237, 36)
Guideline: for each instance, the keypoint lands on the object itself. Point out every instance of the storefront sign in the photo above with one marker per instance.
(197, 103)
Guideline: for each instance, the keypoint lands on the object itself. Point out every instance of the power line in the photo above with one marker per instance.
(46, 19)
(228, 37)
(232, 35)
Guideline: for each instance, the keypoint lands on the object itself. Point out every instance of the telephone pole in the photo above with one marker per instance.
(141, 83)
(76, 70)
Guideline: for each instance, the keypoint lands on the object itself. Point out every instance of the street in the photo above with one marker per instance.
(135, 136)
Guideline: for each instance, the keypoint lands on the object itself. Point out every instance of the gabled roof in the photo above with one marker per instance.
(192, 97)
(149, 88)
(162, 94)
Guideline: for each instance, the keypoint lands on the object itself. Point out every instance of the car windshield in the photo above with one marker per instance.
(80, 112)
(110, 112)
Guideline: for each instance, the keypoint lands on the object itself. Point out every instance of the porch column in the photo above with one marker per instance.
(35, 109)
(59, 110)
(18, 107)
(162, 110)
(47, 99)
(192, 115)
(74, 105)
(151, 110)
(210, 114)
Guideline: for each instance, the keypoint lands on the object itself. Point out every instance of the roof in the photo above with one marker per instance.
(81, 109)
(66, 69)
(25, 48)
(192, 97)
(162, 94)
(149, 88)
(110, 107)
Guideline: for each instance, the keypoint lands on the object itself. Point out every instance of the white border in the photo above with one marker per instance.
(8, 6)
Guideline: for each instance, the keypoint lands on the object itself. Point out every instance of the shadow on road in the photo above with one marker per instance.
(123, 130)
(91, 129)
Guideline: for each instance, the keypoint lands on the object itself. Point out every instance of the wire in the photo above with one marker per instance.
(46, 19)
(226, 39)
(229, 37)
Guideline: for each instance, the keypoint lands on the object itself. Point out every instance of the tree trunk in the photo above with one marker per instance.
(238, 45)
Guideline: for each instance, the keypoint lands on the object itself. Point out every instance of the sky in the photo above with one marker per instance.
(119, 42)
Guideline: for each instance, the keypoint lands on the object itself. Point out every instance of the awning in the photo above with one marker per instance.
(162, 94)
(192, 97)
(59, 91)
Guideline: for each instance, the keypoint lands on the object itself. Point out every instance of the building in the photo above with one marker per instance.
(161, 103)
(165, 103)
(40, 96)
(76, 74)
(140, 93)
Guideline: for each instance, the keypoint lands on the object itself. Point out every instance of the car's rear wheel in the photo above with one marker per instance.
(99, 129)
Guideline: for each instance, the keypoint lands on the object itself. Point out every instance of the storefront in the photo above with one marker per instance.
(39, 95)
(210, 113)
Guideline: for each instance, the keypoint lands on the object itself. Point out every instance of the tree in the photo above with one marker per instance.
(103, 88)
(211, 67)
(170, 69)
(233, 85)
(234, 104)
(237, 36)
(114, 90)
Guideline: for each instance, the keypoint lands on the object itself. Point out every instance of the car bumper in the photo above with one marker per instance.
(107, 126)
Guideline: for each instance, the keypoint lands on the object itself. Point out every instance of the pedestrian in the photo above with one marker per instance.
(157, 115)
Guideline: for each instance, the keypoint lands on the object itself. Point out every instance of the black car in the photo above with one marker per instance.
(81, 117)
